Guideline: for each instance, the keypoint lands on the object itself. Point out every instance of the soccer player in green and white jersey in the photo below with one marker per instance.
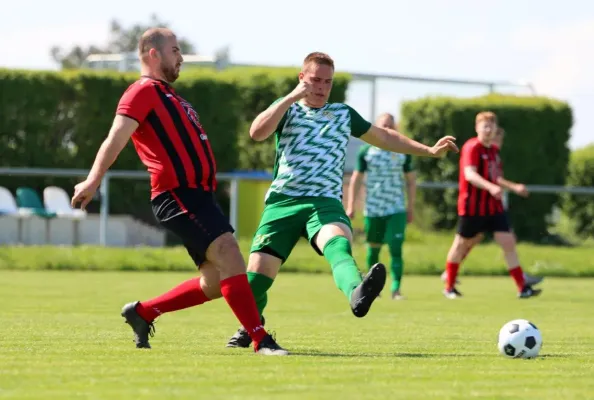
(304, 199)
(386, 210)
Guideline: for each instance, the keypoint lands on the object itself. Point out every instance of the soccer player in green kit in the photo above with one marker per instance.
(386, 209)
(304, 199)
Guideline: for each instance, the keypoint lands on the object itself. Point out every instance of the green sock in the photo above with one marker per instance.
(260, 285)
(372, 256)
(397, 264)
(344, 269)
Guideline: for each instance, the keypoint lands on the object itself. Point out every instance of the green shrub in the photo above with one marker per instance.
(580, 207)
(535, 151)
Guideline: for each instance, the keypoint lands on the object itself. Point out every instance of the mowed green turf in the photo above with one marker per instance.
(61, 337)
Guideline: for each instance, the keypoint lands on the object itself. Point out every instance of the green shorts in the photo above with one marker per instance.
(286, 219)
(385, 229)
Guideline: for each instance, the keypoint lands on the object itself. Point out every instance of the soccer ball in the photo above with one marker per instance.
(519, 339)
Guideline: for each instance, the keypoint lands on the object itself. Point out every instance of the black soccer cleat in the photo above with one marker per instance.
(242, 339)
(452, 293)
(142, 329)
(269, 347)
(528, 291)
(368, 290)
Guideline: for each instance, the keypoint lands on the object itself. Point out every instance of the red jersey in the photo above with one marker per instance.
(169, 140)
(473, 201)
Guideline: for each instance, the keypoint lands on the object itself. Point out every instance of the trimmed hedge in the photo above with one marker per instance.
(59, 119)
(580, 207)
(535, 151)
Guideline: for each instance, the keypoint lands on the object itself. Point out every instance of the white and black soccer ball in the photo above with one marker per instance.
(519, 339)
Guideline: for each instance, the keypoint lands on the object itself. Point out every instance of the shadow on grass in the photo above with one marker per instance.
(313, 353)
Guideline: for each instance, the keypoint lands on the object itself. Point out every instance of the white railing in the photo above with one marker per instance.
(233, 179)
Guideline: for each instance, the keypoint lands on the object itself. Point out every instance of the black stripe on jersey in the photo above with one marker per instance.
(183, 134)
(211, 174)
(167, 144)
(479, 192)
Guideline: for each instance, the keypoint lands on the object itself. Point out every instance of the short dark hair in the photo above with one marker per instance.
(153, 38)
(318, 58)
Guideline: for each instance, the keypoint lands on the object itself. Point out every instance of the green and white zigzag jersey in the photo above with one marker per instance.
(384, 180)
(311, 146)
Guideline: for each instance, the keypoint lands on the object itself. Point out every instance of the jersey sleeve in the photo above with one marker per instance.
(281, 123)
(137, 101)
(408, 164)
(361, 165)
(359, 125)
(470, 156)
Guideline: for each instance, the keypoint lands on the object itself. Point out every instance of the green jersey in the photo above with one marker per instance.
(384, 180)
(311, 145)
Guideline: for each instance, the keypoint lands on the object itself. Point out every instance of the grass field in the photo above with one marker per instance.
(424, 254)
(61, 337)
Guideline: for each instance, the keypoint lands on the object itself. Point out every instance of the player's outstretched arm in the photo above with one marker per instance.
(515, 187)
(121, 130)
(391, 140)
(267, 121)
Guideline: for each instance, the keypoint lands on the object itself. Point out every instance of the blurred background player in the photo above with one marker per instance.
(171, 142)
(480, 208)
(386, 210)
(305, 197)
(520, 190)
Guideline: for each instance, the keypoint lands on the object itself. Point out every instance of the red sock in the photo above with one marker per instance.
(238, 294)
(452, 269)
(518, 276)
(187, 294)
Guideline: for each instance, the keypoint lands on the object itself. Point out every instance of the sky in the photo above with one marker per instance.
(549, 44)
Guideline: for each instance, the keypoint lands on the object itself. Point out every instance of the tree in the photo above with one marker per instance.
(121, 39)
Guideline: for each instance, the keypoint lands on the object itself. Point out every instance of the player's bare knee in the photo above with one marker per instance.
(264, 264)
(331, 230)
(506, 240)
(225, 253)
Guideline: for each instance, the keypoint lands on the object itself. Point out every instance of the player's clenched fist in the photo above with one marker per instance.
(302, 90)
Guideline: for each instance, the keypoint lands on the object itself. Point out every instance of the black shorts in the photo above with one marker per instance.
(194, 216)
(470, 226)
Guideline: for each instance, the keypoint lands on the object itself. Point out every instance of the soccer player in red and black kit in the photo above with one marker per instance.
(480, 208)
(173, 145)
(517, 188)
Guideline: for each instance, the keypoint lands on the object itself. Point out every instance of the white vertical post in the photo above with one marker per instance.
(234, 202)
(373, 99)
(104, 210)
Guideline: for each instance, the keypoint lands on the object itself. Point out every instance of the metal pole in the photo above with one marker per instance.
(234, 200)
(373, 98)
(104, 210)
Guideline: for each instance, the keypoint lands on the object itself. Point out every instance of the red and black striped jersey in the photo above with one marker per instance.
(473, 201)
(169, 140)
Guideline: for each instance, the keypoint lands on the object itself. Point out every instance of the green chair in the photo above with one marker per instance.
(28, 200)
